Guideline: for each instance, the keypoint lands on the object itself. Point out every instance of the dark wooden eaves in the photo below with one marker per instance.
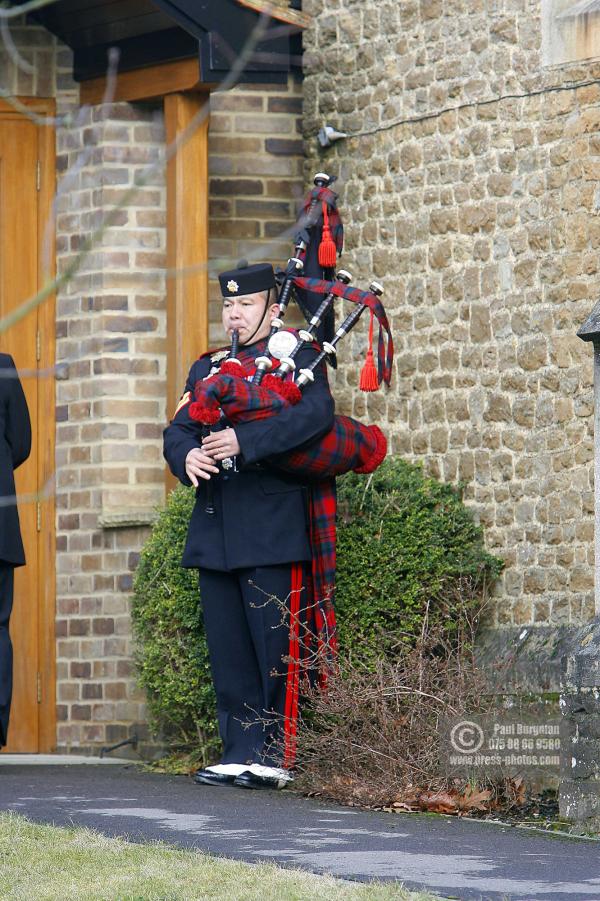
(150, 32)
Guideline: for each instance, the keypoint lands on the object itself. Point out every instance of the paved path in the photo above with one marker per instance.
(453, 858)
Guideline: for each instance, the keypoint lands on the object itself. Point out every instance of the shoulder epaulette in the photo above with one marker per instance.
(214, 355)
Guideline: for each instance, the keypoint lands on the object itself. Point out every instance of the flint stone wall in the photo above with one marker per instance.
(479, 213)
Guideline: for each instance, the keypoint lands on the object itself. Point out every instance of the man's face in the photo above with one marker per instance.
(247, 315)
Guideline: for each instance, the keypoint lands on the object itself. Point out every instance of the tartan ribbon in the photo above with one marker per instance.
(326, 195)
(385, 354)
(322, 515)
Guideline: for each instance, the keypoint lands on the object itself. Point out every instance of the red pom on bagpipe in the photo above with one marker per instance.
(287, 390)
(327, 248)
(368, 374)
(369, 379)
(378, 455)
(233, 367)
(202, 413)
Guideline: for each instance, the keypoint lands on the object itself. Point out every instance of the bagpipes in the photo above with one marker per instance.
(349, 445)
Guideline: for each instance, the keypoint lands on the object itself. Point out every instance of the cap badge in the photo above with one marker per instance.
(232, 286)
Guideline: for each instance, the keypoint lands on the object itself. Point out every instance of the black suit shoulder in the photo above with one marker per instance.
(15, 446)
(15, 424)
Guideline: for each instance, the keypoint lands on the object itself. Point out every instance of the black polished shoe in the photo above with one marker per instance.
(251, 779)
(208, 777)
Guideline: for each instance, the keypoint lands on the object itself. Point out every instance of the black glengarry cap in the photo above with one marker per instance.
(247, 280)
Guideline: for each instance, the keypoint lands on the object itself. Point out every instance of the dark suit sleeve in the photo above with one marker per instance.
(292, 427)
(18, 424)
(184, 433)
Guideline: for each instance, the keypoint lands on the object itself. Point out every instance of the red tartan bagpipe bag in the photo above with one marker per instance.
(348, 446)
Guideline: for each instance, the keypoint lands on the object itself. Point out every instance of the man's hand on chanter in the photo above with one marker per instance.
(199, 463)
(221, 445)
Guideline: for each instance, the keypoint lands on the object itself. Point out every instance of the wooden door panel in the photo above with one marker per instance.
(19, 280)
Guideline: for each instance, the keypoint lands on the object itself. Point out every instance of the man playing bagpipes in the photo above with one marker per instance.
(262, 459)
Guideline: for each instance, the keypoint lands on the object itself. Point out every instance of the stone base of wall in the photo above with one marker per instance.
(524, 660)
(580, 728)
(581, 803)
(557, 671)
(523, 667)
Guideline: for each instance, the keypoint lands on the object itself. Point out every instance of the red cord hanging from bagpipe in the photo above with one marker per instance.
(327, 248)
(369, 380)
(328, 201)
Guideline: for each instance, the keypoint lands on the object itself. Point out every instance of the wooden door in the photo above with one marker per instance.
(25, 159)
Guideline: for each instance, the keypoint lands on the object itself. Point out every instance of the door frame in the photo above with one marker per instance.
(46, 536)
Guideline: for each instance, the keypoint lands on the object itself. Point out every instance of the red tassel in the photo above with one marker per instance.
(287, 390)
(327, 249)
(369, 380)
(203, 414)
(233, 367)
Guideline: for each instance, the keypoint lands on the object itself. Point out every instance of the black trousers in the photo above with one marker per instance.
(253, 621)
(7, 572)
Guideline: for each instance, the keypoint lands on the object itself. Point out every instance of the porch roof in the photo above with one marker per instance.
(150, 32)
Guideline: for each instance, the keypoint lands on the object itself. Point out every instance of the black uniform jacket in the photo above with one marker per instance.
(261, 515)
(15, 446)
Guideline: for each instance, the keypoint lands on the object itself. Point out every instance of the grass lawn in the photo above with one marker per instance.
(44, 863)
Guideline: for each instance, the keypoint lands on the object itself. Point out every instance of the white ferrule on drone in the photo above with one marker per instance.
(286, 364)
(264, 363)
(304, 377)
(329, 348)
(276, 323)
(306, 336)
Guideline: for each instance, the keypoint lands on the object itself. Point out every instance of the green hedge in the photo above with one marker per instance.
(406, 545)
(171, 653)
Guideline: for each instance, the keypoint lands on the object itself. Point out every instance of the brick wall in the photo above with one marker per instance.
(111, 334)
(111, 347)
(483, 225)
(256, 179)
